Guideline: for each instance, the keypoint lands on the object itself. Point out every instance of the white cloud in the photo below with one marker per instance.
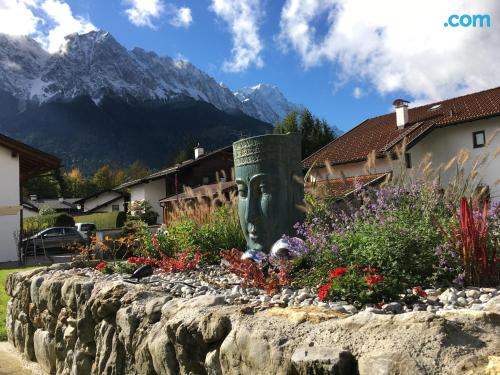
(17, 18)
(65, 23)
(242, 17)
(358, 92)
(142, 12)
(182, 17)
(395, 46)
(48, 21)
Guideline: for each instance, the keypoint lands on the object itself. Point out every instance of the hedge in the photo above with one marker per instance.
(106, 220)
(40, 222)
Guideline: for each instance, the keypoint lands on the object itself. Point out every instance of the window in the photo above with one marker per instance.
(479, 139)
(70, 232)
(408, 160)
(87, 227)
(56, 232)
(205, 180)
(115, 207)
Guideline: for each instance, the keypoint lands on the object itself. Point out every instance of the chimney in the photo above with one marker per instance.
(401, 112)
(198, 151)
(33, 197)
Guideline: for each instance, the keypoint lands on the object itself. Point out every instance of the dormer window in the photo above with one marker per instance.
(479, 139)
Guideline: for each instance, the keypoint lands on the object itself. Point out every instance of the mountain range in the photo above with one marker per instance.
(96, 102)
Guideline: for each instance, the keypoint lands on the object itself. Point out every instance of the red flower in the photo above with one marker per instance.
(323, 291)
(373, 279)
(370, 269)
(419, 291)
(337, 272)
(101, 266)
(142, 260)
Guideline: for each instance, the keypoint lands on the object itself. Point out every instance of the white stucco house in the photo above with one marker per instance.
(18, 162)
(440, 130)
(103, 201)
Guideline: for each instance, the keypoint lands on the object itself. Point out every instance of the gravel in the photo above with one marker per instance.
(216, 280)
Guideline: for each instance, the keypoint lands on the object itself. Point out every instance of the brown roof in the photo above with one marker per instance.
(382, 134)
(32, 162)
(341, 187)
(202, 191)
(176, 168)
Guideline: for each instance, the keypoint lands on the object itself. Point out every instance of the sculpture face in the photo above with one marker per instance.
(267, 172)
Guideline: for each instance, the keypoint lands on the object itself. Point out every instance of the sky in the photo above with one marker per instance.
(345, 60)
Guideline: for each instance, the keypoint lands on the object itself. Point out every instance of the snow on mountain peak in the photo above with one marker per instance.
(95, 64)
(265, 102)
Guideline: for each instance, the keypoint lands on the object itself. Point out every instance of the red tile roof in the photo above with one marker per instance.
(382, 134)
(340, 187)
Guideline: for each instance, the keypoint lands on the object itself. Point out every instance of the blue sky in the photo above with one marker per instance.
(346, 60)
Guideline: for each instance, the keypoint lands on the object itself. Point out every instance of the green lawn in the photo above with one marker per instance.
(4, 298)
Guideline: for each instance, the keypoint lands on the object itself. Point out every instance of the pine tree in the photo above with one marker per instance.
(315, 133)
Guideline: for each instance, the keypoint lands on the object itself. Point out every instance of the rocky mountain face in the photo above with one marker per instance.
(96, 65)
(265, 102)
(94, 101)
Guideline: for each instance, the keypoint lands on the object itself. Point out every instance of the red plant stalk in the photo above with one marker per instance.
(470, 240)
(253, 276)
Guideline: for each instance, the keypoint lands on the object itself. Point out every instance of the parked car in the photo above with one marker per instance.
(86, 229)
(53, 238)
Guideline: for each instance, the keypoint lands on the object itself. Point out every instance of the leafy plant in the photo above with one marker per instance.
(184, 261)
(40, 222)
(357, 285)
(253, 275)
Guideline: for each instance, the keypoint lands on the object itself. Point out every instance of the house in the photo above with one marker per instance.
(441, 129)
(18, 163)
(33, 206)
(203, 169)
(104, 201)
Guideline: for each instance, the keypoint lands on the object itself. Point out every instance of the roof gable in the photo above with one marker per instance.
(32, 162)
(382, 134)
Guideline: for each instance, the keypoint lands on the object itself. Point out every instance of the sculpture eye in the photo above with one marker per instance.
(264, 189)
(242, 191)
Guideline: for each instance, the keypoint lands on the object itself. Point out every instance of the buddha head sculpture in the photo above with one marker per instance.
(268, 173)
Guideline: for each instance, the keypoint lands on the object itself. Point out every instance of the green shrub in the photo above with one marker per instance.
(221, 232)
(40, 222)
(394, 230)
(106, 220)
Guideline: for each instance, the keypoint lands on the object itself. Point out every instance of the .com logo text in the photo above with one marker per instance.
(468, 20)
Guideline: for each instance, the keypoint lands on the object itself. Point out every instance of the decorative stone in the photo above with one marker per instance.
(45, 350)
(313, 359)
(394, 307)
(473, 293)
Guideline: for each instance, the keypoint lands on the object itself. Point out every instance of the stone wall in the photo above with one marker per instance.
(71, 323)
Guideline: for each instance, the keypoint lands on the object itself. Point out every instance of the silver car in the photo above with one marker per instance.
(53, 238)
